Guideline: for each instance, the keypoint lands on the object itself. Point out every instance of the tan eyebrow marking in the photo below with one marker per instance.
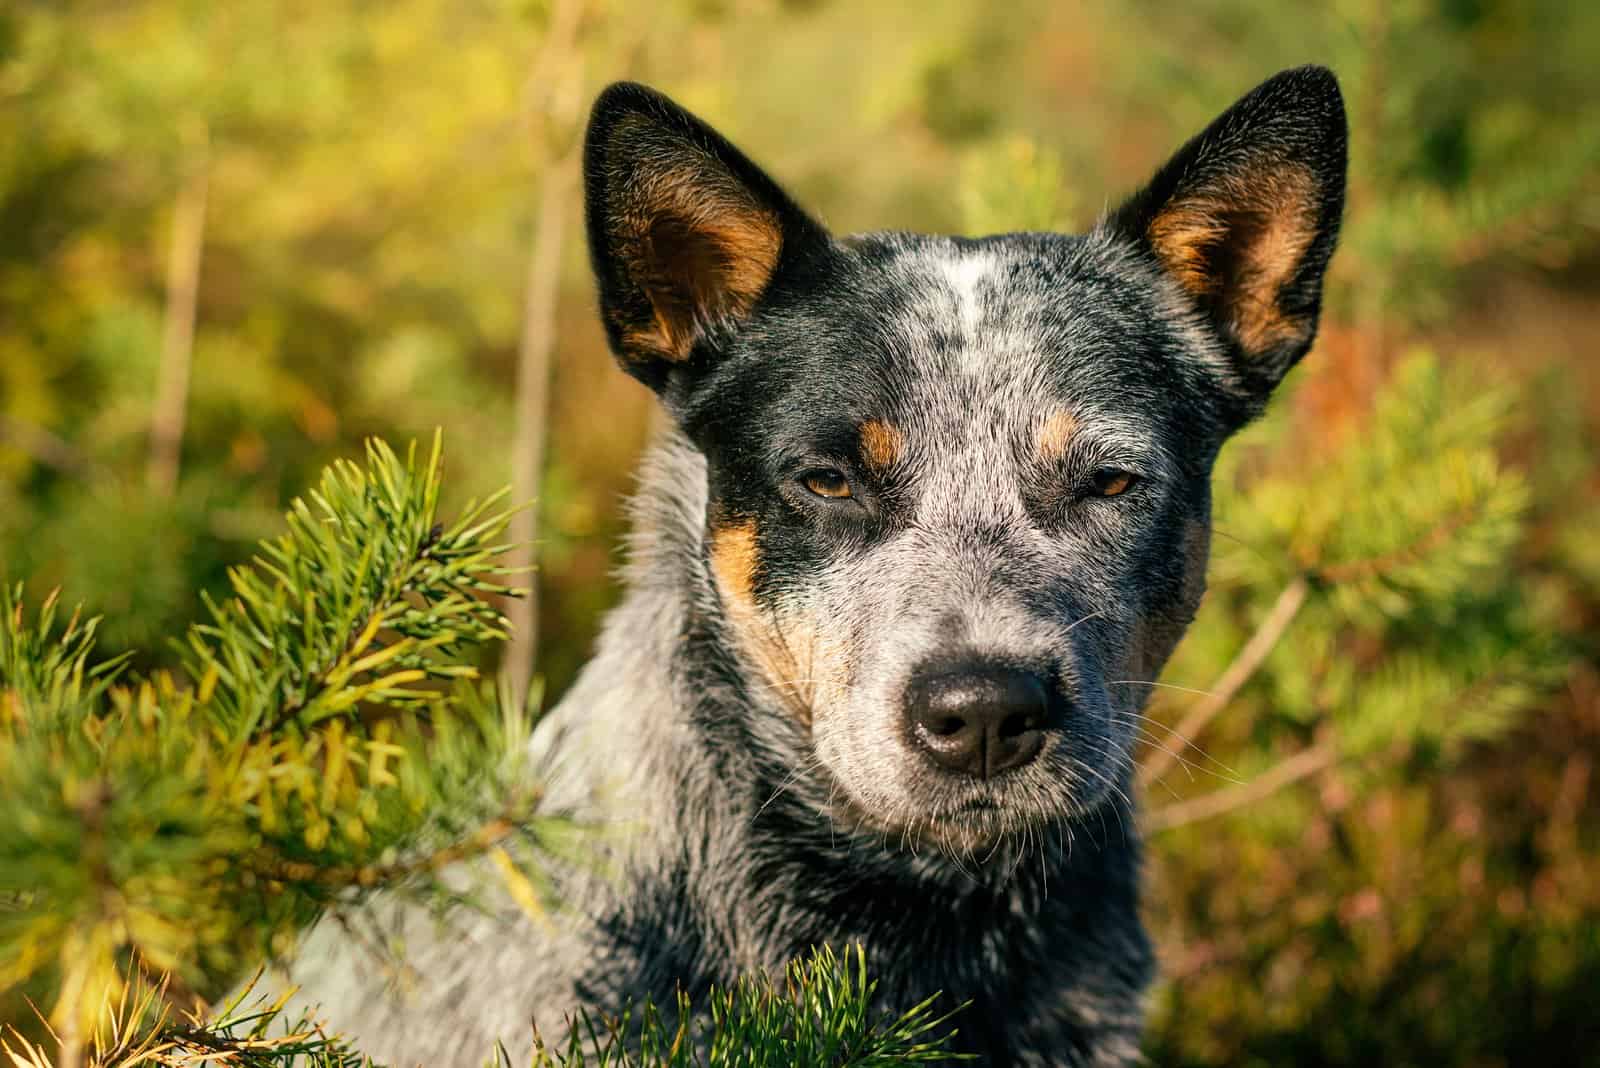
(1055, 434)
(882, 443)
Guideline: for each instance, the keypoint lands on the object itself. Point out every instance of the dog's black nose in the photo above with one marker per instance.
(979, 720)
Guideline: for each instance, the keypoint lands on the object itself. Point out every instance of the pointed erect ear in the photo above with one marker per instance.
(1244, 218)
(685, 233)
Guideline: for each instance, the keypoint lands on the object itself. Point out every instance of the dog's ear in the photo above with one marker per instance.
(1244, 217)
(685, 233)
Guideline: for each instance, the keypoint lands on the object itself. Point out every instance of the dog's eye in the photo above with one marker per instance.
(1111, 482)
(826, 483)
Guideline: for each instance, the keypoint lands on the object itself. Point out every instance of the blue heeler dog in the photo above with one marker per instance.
(926, 500)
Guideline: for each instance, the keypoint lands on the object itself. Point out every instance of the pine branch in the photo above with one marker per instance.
(820, 1015)
(40, 668)
(1389, 564)
(487, 837)
(327, 736)
(367, 599)
(1429, 541)
(141, 1028)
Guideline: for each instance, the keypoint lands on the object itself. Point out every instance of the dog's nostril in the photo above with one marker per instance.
(979, 720)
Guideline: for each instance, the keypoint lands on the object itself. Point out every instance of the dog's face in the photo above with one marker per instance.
(957, 490)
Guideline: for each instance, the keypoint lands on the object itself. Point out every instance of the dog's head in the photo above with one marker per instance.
(958, 500)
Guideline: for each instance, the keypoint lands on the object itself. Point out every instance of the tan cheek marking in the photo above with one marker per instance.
(882, 444)
(782, 653)
(1055, 434)
(1241, 242)
(734, 558)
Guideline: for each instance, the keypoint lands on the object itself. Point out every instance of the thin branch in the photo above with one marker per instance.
(556, 75)
(1303, 764)
(177, 335)
(41, 445)
(1238, 673)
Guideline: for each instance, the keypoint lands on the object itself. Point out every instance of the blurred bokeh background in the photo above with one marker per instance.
(237, 238)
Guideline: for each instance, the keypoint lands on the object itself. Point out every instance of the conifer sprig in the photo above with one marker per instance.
(143, 1028)
(327, 734)
(45, 668)
(365, 600)
(819, 1015)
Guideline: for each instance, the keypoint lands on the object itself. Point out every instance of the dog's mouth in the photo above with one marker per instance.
(964, 818)
(977, 827)
(924, 804)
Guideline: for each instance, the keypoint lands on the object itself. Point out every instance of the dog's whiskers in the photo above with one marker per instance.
(804, 769)
(1217, 769)
(1080, 622)
(1122, 828)
(1155, 741)
(1160, 685)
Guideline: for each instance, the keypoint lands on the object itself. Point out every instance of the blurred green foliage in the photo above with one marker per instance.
(1424, 888)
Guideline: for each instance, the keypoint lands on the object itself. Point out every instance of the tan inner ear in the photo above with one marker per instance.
(1237, 242)
(702, 250)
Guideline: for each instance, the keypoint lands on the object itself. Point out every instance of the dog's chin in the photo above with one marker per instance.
(964, 821)
(975, 830)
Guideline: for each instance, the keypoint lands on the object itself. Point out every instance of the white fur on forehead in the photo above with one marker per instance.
(962, 284)
(979, 328)
(967, 274)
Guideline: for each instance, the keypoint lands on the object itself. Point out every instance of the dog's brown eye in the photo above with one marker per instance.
(829, 484)
(1110, 482)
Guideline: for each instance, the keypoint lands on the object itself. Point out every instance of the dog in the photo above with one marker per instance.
(931, 512)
